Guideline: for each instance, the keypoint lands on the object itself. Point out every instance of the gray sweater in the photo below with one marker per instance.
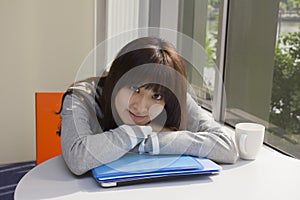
(85, 145)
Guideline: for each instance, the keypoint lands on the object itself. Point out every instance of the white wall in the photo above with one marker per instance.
(42, 44)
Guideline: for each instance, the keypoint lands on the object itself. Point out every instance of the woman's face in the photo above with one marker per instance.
(138, 106)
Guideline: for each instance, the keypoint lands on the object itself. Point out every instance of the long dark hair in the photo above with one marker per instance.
(149, 62)
(152, 63)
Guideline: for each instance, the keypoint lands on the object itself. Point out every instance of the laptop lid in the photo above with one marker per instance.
(132, 168)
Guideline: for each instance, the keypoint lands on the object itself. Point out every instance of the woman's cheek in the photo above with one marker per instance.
(155, 110)
(123, 98)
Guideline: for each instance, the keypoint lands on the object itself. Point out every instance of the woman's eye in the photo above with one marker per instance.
(135, 89)
(157, 97)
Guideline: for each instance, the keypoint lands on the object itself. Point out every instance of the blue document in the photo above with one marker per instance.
(137, 167)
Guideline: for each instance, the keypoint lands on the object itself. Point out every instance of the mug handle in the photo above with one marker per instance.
(242, 143)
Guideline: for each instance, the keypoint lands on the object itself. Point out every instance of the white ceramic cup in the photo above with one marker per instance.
(249, 139)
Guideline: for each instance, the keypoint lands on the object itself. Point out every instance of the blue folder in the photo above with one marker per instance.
(133, 168)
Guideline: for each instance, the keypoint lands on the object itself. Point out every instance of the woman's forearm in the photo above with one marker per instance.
(215, 146)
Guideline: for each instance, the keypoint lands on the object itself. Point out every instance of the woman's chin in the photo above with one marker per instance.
(133, 123)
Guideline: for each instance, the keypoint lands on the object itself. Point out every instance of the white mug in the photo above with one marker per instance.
(249, 139)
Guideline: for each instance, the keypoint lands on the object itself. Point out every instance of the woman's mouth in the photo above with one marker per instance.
(136, 118)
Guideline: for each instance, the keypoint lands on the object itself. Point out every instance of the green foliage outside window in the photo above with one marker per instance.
(285, 102)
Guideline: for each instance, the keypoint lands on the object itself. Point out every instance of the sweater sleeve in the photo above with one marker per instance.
(85, 145)
(203, 138)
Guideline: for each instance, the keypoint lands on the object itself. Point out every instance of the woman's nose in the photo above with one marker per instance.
(140, 104)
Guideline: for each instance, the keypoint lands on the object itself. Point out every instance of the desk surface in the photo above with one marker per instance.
(271, 176)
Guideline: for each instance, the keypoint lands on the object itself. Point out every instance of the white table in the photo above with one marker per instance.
(271, 176)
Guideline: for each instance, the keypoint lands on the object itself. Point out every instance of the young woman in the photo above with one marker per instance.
(142, 105)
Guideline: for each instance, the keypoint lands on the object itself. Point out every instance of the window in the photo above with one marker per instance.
(260, 60)
(284, 118)
(262, 71)
(200, 21)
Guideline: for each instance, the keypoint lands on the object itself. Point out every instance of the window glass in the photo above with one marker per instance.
(284, 127)
(200, 21)
(213, 13)
(261, 62)
(262, 78)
